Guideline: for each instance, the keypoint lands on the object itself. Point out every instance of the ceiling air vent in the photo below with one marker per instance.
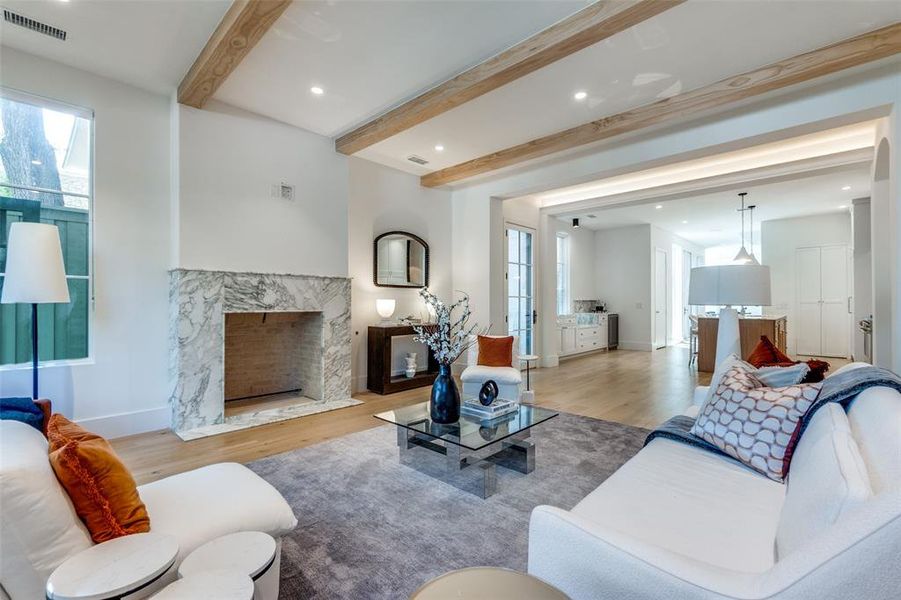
(417, 159)
(23, 21)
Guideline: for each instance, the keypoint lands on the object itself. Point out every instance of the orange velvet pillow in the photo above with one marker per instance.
(100, 486)
(495, 351)
(766, 353)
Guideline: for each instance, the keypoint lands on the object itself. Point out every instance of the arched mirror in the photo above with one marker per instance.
(401, 260)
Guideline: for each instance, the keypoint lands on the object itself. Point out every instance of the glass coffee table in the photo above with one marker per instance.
(467, 453)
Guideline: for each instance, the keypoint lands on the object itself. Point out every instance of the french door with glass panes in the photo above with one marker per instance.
(521, 314)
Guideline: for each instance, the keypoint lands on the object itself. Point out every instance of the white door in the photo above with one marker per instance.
(836, 301)
(809, 325)
(824, 302)
(521, 311)
(660, 279)
(686, 308)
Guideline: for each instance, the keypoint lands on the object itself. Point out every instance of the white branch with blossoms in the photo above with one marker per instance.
(451, 335)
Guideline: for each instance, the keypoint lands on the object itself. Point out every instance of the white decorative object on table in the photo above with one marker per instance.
(113, 569)
(410, 371)
(216, 584)
(250, 553)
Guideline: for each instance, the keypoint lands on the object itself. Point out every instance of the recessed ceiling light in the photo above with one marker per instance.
(439, 148)
(317, 90)
(580, 95)
(659, 206)
(846, 188)
(36, 162)
(684, 222)
(843, 206)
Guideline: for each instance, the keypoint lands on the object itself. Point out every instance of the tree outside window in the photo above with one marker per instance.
(45, 176)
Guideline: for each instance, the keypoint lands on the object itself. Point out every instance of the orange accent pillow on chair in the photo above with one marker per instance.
(100, 486)
(495, 351)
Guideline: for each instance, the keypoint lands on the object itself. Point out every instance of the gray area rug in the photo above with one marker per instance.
(372, 528)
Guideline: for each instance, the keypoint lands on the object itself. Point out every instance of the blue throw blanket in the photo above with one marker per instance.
(22, 409)
(842, 388)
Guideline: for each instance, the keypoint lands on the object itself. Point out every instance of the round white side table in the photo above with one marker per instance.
(478, 583)
(216, 584)
(113, 569)
(250, 553)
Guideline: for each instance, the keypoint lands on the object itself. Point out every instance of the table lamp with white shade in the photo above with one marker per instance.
(34, 275)
(727, 286)
(385, 307)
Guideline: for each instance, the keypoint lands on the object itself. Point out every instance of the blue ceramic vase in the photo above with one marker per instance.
(445, 400)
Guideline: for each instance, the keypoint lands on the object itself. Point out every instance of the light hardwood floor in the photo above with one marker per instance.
(636, 388)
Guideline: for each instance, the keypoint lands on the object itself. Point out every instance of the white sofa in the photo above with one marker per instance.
(680, 522)
(39, 528)
(508, 378)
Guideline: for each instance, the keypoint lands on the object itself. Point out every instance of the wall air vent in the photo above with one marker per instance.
(417, 159)
(23, 21)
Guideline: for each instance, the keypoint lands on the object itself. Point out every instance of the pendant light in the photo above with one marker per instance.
(753, 260)
(743, 257)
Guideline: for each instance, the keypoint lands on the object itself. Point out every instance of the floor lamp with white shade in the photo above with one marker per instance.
(727, 286)
(34, 275)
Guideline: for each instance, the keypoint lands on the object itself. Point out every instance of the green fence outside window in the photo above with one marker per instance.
(63, 327)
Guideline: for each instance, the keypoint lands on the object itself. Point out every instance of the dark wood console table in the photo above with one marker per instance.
(379, 361)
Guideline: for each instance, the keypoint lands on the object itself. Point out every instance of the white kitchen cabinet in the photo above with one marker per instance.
(575, 339)
(567, 340)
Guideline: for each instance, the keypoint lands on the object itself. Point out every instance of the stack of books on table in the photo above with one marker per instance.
(473, 408)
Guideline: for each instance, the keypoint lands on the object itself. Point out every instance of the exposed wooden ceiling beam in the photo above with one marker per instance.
(245, 22)
(585, 28)
(852, 52)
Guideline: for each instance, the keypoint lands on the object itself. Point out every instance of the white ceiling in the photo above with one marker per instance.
(712, 219)
(686, 47)
(147, 43)
(369, 56)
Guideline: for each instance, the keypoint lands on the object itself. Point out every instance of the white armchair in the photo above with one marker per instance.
(508, 379)
(40, 529)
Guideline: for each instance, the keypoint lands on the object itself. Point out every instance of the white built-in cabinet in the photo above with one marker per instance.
(575, 339)
(823, 301)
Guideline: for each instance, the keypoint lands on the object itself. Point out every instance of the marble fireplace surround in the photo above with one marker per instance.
(198, 302)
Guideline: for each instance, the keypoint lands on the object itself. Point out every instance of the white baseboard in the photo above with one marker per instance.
(643, 346)
(122, 424)
(551, 360)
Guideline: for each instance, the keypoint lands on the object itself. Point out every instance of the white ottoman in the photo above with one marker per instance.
(209, 585)
(250, 553)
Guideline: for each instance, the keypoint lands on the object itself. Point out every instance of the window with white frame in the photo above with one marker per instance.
(46, 177)
(564, 297)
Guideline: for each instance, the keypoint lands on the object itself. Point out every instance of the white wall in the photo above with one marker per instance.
(779, 240)
(122, 388)
(664, 240)
(863, 272)
(885, 214)
(582, 256)
(228, 161)
(624, 282)
(380, 200)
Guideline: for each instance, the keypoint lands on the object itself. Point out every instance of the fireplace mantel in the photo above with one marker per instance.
(198, 303)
